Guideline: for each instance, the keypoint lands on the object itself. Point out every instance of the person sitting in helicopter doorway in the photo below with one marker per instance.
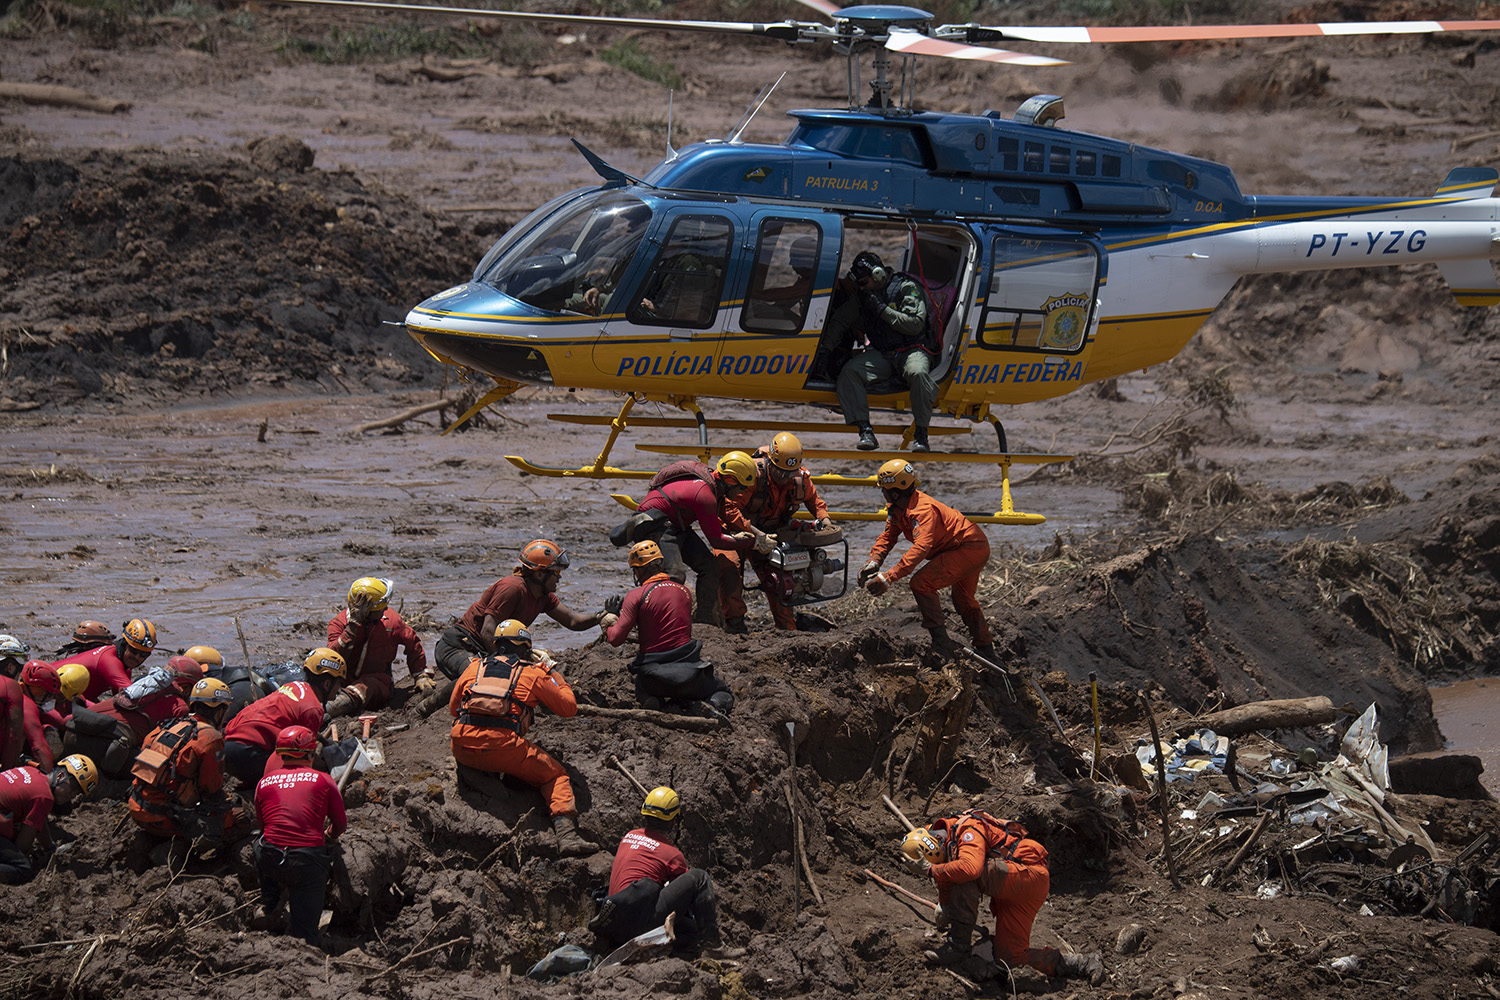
(891, 309)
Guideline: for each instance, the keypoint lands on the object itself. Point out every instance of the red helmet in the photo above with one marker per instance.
(139, 634)
(41, 675)
(543, 554)
(296, 741)
(188, 670)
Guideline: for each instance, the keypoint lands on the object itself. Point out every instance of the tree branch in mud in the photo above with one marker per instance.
(403, 417)
(1211, 392)
(1285, 713)
(667, 720)
(64, 97)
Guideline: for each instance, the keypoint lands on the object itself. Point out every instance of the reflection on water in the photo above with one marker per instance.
(1469, 715)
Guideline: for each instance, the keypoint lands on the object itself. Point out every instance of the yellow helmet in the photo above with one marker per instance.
(739, 467)
(514, 632)
(897, 474)
(72, 680)
(324, 662)
(786, 452)
(662, 803)
(371, 591)
(206, 656)
(645, 553)
(139, 634)
(210, 691)
(922, 844)
(83, 771)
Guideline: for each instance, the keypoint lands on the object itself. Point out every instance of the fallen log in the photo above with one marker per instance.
(692, 723)
(63, 97)
(401, 418)
(905, 892)
(1286, 713)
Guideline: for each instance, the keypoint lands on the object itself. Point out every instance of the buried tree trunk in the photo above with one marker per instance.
(1288, 713)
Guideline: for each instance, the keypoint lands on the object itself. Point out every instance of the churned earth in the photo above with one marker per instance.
(1306, 502)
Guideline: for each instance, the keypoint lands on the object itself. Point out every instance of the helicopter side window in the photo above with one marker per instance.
(781, 283)
(1041, 295)
(571, 263)
(684, 283)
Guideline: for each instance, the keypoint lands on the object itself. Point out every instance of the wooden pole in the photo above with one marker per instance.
(1161, 795)
(899, 814)
(802, 848)
(791, 732)
(614, 762)
(1234, 862)
(1094, 768)
(907, 893)
(244, 648)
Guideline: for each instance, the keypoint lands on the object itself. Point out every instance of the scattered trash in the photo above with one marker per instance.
(559, 962)
(1347, 964)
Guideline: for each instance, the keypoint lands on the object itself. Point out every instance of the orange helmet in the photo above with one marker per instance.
(139, 634)
(89, 630)
(897, 474)
(786, 452)
(645, 553)
(544, 554)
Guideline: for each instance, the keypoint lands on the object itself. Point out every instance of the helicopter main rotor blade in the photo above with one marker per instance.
(915, 43)
(1202, 32)
(786, 31)
(821, 6)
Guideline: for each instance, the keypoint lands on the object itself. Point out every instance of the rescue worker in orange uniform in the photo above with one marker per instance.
(367, 633)
(250, 737)
(27, 798)
(111, 665)
(178, 787)
(493, 703)
(660, 610)
(302, 817)
(955, 548)
(650, 879)
(782, 487)
(973, 855)
(530, 590)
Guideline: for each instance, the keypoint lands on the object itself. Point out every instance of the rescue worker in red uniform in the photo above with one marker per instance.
(529, 591)
(782, 487)
(659, 609)
(973, 855)
(178, 787)
(111, 665)
(689, 493)
(27, 798)
(955, 548)
(650, 880)
(493, 704)
(53, 689)
(21, 736)
(250, 737)
(367, 634)
(110, 731)
(301, 819)
(13, 656)
(88, 635)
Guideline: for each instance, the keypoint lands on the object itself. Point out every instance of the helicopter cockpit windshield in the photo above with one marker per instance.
(574, 261)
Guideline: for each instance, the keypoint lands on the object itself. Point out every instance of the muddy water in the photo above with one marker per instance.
(1469, 715)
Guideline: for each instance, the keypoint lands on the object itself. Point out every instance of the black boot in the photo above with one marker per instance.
(951, 952)
(867, 440)
(919, 440)
(941, 641)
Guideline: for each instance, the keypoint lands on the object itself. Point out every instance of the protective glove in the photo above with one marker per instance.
(765, 544)
(124, 701)
(608, 619)
(359, 613)
(823, 524)
(871, 568)
(941, 920)
(917, 866)
(426, 682)
(871, 302)
(743, 536)
(877, 585)
(612, 605)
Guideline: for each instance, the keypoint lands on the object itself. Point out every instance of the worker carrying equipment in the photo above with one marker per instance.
(493, 705)
(650, 880)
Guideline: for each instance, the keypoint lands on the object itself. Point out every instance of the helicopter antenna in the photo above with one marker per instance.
(670, 150)
(755, 105)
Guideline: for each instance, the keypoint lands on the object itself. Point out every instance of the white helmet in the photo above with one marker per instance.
(12, 648)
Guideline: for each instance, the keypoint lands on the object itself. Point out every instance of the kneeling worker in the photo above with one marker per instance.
(27, 798)
(650, 880)
(250, 739)
(661, 611)
(301, 819)
(493, 703)
(179, 778)
(974, 854)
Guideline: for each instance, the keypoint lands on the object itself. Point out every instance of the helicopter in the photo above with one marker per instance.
(1051, 259)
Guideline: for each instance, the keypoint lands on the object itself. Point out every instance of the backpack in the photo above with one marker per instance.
(490, 694)
(688, 468)
(156, 764)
